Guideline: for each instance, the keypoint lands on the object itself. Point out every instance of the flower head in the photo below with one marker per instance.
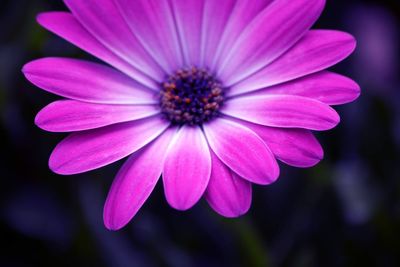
(208, 94)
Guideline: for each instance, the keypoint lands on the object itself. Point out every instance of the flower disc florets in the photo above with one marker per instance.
(191, 96)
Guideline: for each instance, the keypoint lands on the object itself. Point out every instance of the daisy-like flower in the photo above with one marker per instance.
(206, 94)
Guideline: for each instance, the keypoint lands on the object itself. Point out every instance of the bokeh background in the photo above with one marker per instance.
(343, 212)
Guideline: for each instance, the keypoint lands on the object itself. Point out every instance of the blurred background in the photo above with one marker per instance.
(343, 212)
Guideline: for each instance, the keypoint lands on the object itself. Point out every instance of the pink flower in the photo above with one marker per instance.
(207, 93)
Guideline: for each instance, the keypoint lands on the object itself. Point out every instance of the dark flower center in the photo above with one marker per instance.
(191, 96)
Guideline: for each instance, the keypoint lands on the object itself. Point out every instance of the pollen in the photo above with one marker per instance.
(191, 96)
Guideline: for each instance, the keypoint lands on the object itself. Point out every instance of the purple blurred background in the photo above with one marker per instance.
(343, 212)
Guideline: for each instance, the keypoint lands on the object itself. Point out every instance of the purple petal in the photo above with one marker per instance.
(71, 115)
(283, 111)
(187, 168)
(242, 150)
(215, 17)
(152, 22)
(92, 149)
(268, 36)
(86, 81)
(295, 147)
(316, 51)
(327, 87)
(227, 193)
(65, 25)
(241, 16)
(135, 182)
(188, 16)
(104, 21)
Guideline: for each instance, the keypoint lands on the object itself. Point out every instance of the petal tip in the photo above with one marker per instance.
(239, 211)
(110, 222)
(58, 168)
(29, 68)
(348, 40)
(41, 17)
(336, 119)
(181, 205)
(332, 120)
(111, 228)
(320, 154)
(111, 225)
(38, 120)
(53, 20)
(234, 214)
(352, 43)
(275, 175)
(26, 68)
(232, 210)
(356, 89)
(353, 40)
(44, 18)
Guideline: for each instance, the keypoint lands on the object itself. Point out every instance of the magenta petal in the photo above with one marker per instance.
(327, 87)
(189, 16)
(316, 51)
(65, 25)
(104, 21)
(86, 81)
(242, 151)
(215, 17)
(187, 168)
(295, 147)
(227, 193)
(135, 182)
(241, 16)
(92, 149)
(268, 36)
(152, 22)
(71, 115)
(283, 111)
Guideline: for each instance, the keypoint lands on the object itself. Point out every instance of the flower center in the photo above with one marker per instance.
(191, 96)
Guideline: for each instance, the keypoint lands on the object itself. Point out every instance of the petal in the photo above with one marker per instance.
(92, 149)
(295, 147)
(316, 51)
(71, 115)
(187, 168)
(104, 21)
(283, 111)
(153, 24)
(241, 16)
(327, 87)
(66, 26)
(242, 150)
(135, 182)
(86, 81)
(227, 193)
(189, 16)
(268, 36)
(216, 15)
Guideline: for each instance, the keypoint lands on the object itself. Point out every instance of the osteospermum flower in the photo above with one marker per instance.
(208, 94)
